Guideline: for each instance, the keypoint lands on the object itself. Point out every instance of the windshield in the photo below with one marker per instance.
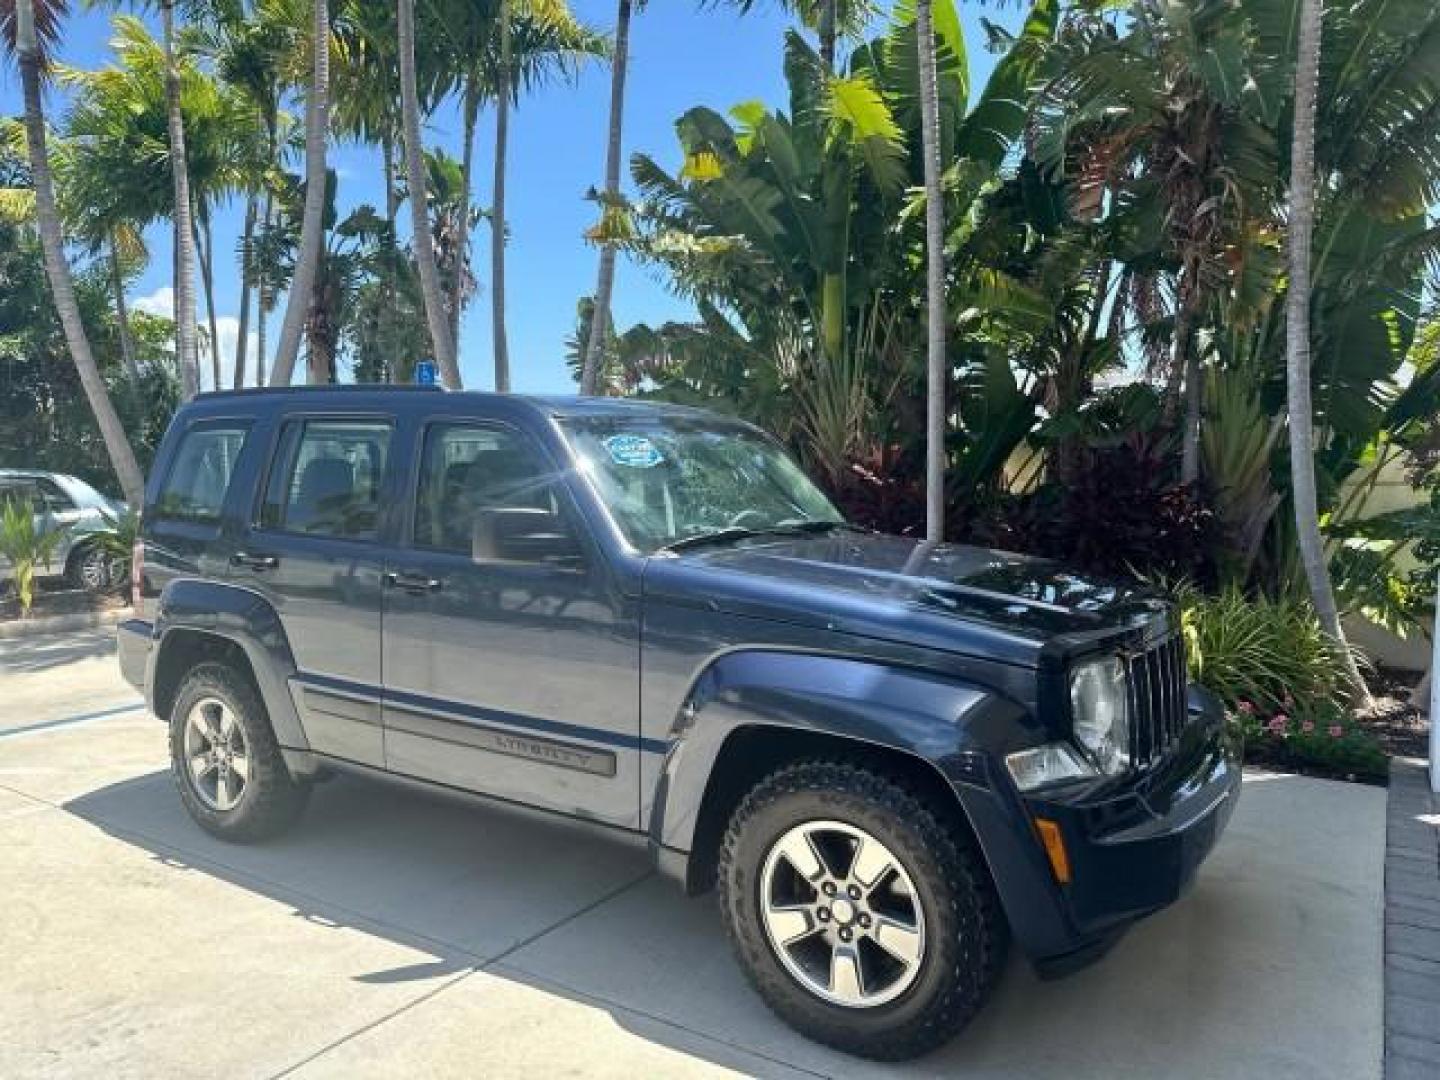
(671, 479)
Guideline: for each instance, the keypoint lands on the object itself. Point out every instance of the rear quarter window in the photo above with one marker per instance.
(200, 473)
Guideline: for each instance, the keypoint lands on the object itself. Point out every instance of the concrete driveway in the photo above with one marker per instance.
(393, 935)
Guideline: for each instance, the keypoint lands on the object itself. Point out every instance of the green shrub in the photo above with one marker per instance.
(1330, 741)
(117, 540)
(1271, 653)
(25, 547)
(1281, 681)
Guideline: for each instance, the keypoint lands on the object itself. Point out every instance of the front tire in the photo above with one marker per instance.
(91, 568)
(225, 760)
(864, 919)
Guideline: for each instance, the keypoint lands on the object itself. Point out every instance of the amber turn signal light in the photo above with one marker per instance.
(1054, 848)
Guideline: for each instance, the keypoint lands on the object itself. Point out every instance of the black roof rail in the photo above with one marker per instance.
(330, 388)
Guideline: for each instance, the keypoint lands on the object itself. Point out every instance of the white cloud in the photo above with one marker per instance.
(161, 303)
(227, 328)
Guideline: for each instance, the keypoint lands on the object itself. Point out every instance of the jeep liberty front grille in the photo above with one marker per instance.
(1158, 707)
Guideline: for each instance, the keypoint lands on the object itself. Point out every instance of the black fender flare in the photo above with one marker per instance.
(246, 619)
(941, 721)
(958, 728)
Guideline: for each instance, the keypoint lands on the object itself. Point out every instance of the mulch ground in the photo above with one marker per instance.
(1403, 730)
(1400, 728)
(58, 600)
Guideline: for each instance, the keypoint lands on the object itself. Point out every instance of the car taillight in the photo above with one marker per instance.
(137, 570)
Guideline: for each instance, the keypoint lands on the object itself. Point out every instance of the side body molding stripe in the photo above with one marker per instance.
(438, 707)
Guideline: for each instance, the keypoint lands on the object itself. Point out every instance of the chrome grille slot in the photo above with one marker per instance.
(1157, 700)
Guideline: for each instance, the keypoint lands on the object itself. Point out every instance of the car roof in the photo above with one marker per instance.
(33, 474)
(557, 406)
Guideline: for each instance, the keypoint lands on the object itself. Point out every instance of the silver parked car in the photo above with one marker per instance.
(78, 510)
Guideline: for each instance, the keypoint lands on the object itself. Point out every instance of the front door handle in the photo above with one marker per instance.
(254, 562)
(412, 583)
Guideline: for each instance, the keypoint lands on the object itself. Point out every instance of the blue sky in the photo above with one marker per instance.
(681, 56)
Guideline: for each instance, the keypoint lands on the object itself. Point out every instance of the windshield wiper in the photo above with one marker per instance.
(814, 526)
(717, 536)
(740, 532)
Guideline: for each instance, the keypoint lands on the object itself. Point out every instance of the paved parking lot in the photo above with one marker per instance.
(394, 935)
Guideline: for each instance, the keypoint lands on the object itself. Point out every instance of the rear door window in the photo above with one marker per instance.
(326, 479)
(199, 477)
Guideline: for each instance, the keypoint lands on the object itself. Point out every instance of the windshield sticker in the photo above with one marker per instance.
(633, 451)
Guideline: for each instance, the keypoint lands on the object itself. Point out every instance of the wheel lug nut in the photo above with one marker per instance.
(854, 892)
(823, 915)
(844, 935)
(828, 888)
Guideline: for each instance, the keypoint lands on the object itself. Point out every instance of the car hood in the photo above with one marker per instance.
(951, 596)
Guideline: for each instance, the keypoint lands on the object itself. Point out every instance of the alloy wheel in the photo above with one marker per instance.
(217, 756)
(842, 914)
(95, 569)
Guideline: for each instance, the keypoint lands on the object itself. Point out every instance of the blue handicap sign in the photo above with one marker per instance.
(426, 374)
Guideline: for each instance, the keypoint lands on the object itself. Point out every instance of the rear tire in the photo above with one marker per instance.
(924, 891)
(225, 760)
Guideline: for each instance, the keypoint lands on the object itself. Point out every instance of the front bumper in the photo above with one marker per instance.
(1133, 848)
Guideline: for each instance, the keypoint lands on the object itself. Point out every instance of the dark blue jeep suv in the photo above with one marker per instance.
(889, 757)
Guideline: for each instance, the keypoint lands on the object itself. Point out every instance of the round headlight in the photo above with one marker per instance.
(1100, 709)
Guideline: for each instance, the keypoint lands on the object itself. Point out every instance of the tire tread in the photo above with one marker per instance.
(277, 800)
(977, 933)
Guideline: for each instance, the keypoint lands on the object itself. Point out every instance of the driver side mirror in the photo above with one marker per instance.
(524, 535)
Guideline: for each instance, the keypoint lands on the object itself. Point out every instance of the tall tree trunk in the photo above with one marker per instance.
(122, 315)
(186, 335)
(392, 214)
(935, 362)
(247, 279)
(1190, 434)
(605, 286)
(52, 243)
(430, 286)
(827, 33)
(1297, 341)
(312, 220)
(392, 197)
(320, 331)
(470, 112)
(497, 224)
(205, 246)
(262, 302)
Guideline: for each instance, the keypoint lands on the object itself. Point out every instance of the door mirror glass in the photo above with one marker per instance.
(523, 535)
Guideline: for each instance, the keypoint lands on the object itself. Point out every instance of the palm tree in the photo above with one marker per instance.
(30, 26)
(312, 220)
(935, 361)
(829, 16)
(435, 315)
(830, 19)
(255, 52)
(609, 200)
(538, 37)
(1150, 118)
(1297, 340)
(497, 241)
(104, 214)
(186, 335)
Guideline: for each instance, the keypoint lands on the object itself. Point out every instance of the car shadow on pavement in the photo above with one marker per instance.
(48, 651)
(574, 913)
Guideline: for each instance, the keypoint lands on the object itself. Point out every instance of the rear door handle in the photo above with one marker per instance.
(254, 562)
(412, 583)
